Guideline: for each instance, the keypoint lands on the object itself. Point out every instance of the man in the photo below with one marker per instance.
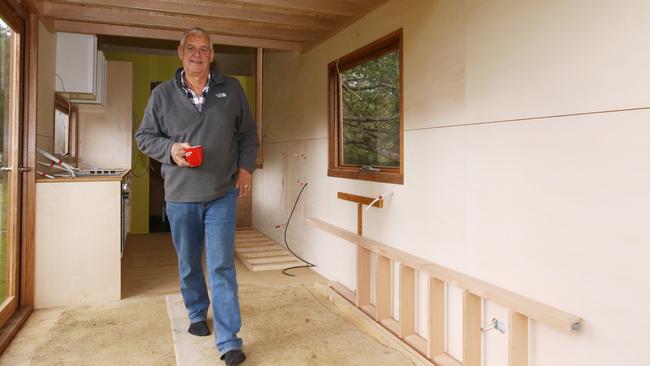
(202, 107)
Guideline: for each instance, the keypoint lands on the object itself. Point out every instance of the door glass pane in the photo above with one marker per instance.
(8, 105)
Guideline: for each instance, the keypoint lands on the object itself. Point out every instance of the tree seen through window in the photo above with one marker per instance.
(370, 95)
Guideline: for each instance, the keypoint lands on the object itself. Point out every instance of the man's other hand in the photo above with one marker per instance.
(243, 182)
(178, 153)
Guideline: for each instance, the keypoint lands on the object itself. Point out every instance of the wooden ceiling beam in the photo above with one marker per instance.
(212, 9)
(175, 35)
(148, 19)
(330, 7)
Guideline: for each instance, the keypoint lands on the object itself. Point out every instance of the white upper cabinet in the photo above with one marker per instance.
(80, 67)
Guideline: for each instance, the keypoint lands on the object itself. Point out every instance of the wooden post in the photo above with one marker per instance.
(363, 277)
(360, 219)
(259, 104)
(406, 300)
(382, 288)
(436, 340)
(517, 340)
(363, 265)
(471, 329)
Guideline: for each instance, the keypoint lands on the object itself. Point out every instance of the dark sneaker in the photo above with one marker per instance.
(233, 357)
(199, 328)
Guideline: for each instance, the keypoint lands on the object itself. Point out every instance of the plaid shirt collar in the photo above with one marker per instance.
(197, 100)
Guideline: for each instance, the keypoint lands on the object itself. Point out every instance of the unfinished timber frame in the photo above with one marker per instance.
(521, 309)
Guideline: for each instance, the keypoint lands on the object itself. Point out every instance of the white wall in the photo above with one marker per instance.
(521, 166)
(105, 132)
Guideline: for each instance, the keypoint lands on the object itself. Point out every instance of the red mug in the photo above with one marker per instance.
(194, 155)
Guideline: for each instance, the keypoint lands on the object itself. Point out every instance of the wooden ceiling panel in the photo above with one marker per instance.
(141, 18)
(285, 24)
(332, 7)
(216, 10)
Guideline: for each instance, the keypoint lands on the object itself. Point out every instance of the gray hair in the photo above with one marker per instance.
(196, 30)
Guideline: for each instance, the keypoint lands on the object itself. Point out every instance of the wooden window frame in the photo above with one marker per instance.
(27, 25)
(336, 168)
(12, 151)
(62, 104)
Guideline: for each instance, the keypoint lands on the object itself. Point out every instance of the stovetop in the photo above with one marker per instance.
(98, 171)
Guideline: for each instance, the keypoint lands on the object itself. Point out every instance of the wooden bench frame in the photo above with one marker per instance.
(476, 291)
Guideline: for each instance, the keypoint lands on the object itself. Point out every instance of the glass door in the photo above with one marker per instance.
(11, 29)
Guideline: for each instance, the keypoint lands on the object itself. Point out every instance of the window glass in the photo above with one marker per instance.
(61, 132)
(371, 112)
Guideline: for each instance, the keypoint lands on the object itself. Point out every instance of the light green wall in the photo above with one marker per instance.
(148, 68)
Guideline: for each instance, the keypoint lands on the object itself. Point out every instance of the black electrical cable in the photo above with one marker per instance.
(286, 244)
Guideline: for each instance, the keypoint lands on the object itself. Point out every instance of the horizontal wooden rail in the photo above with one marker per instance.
(378, 202)
(532, 309)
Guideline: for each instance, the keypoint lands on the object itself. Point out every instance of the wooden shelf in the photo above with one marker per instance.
(360, 199)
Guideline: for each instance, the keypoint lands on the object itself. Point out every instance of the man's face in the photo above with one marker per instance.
(196, 55)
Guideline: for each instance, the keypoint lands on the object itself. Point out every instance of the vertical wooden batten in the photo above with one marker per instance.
(471, 329)
(436, 341)
(359, 219)
(383, 288)
(517, 339)
(363, 277)
(259, 104)
(406, 301)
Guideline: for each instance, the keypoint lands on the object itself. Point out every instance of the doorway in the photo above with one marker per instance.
(155, 61)
(158, 222)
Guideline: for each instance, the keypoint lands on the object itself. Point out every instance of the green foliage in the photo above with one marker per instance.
(371, 112)
(5, 57)
(5, 33)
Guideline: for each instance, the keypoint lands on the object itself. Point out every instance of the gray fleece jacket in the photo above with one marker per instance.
(224, 127)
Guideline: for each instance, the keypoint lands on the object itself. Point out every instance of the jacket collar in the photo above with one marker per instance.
(215, 77)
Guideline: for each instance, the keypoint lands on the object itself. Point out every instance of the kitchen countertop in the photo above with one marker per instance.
(95, 178)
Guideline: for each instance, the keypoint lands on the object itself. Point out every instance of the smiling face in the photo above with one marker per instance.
(196, 55)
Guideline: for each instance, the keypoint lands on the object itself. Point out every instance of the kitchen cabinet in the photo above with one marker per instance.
(80, 67)
(79, 232)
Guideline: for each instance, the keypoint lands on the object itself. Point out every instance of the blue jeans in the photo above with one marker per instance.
(213, 222)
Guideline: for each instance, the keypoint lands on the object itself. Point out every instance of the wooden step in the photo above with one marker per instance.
(257, 249)
(250, 239)
(255, 244)
(270, 253)
(248, 235)
(259, 253)
(274, 259)
(272, 266)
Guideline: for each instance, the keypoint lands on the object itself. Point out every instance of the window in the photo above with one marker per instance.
(366, 113)
(65, 128)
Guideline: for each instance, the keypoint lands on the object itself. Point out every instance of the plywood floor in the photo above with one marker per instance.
(149, 270)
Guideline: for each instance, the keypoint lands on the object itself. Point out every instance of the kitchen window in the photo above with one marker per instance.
(66, 117)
